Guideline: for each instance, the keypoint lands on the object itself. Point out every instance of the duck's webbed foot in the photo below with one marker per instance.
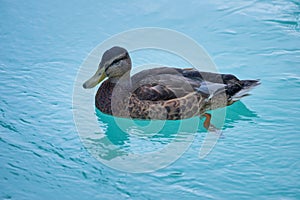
(207, 123)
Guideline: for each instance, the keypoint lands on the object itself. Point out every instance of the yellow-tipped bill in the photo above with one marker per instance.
(94, 80)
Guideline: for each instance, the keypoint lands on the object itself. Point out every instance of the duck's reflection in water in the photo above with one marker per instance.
(124, 136)
(238, 112)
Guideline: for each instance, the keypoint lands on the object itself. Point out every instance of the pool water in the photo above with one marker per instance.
(42, 47)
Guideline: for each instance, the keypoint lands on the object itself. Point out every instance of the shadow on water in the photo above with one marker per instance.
(120, 133)
(123, 137)
(238, 112)
(122, 141)
(163, 132)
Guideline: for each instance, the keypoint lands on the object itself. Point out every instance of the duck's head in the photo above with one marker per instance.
(114, 64)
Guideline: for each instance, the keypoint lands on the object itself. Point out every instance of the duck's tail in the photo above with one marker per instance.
(246, 86)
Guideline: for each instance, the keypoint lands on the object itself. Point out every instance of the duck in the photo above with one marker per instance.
(162, 93)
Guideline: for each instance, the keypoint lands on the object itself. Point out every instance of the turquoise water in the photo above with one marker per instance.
(43, 45)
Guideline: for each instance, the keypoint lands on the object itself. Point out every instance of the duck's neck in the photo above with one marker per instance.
(123, 82)
(117, 88)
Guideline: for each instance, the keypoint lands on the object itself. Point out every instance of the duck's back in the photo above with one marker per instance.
(167, 83)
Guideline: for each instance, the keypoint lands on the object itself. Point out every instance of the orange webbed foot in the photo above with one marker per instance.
(206, 123)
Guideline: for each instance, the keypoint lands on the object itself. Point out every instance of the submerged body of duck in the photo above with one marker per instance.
(161, 93)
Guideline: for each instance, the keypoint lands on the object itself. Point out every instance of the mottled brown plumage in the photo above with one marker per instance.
(161, 93)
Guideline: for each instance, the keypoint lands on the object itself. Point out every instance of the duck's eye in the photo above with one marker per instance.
(116, 62)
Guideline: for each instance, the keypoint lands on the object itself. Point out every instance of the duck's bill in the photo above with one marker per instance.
(94, 80)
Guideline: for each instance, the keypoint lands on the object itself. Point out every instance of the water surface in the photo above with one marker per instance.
(43, 45)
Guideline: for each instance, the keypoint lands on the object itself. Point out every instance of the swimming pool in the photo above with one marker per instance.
(43, 45)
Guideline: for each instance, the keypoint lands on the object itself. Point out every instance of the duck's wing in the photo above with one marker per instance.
(166, 83)
(163, 87)
(162, 83)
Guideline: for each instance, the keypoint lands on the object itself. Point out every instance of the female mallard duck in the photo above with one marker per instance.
(162, 93)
